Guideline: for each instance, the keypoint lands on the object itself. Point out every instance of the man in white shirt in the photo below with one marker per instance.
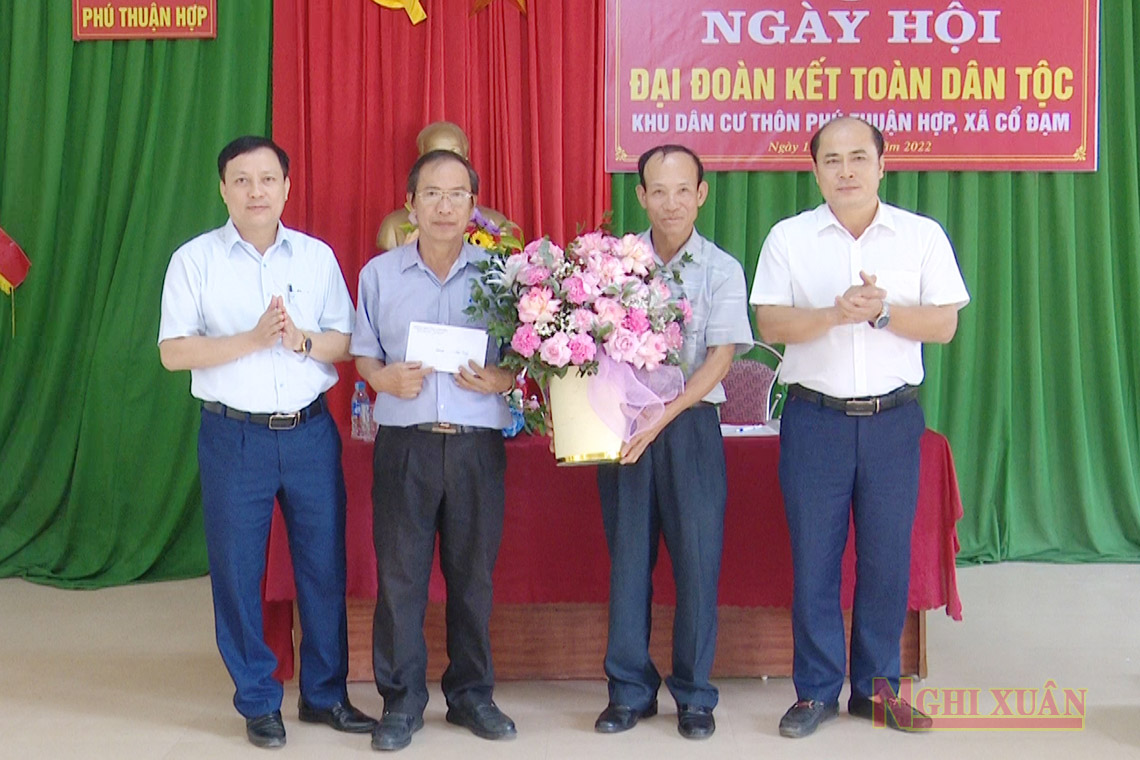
(258, 313)
(853, 288)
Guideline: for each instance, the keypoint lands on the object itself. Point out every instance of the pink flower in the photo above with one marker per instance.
(593, 244)
(635, 321)
(674, 338)
(661, 289)
(532, 250)
(609, 311)
(542, 252)
(557, 255)
(525, 341)
(651, 352)
(582, 349)
(538, 305)
(686, 309)
(533, 275)
(511, 268)
(556, 350)
(607, 270)
(635, 255)
(575, 290)
(590, 284)
(622, 346)
(582, 320)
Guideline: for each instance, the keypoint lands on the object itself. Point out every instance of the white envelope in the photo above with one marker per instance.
(445, 348)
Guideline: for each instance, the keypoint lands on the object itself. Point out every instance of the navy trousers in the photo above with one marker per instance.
(243, 468)
(833, 467)
(677, 488)
(426, 484)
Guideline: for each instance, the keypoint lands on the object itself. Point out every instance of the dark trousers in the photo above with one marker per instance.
(423, 484)
(243, 468)
(832, 468)
(677, 488)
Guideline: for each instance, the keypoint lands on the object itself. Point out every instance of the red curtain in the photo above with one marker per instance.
(353, 83)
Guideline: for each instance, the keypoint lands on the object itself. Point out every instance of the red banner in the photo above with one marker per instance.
(1001, 85)
(136, 20)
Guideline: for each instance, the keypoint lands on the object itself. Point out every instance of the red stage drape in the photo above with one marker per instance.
(353, 83)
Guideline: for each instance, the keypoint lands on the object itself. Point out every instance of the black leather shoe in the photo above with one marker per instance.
(897, 714)
(394, 731)
(342, 716)
(266, 730)
(617, 718)
(695, 722)
(805, 716)
(484, 719)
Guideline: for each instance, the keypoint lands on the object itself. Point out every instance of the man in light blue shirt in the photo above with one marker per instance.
(672, 478)
(438, 465)
(258, 313)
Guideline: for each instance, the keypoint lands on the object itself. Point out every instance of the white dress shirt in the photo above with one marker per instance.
(218, 285)
(809, 259)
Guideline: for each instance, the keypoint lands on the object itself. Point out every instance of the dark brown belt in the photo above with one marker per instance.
(275, 421)
(857, 407)
(447, 428)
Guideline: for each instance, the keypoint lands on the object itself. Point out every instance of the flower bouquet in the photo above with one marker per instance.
(595, 325)
(526, 410)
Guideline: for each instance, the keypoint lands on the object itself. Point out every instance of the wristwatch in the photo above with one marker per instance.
(883, 319)
(306, 346)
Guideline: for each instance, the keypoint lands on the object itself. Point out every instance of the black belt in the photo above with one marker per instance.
(857, 407)
(275, 421)
(446, 428)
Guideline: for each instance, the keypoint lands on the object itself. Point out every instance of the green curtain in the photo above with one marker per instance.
(1039, 393)
(107, 163)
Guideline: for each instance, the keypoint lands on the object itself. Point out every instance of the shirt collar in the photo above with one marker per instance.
(231, 238)
(825, 217)
(694, 246)
(410, 257)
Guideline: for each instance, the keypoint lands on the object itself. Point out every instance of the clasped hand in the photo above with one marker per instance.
(860, 303)
(275, 324)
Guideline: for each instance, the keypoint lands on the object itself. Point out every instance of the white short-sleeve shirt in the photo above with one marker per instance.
(218, 285)
(809, 259)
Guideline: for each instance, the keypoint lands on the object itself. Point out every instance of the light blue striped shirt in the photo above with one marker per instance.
(713, 281)
(396, 289)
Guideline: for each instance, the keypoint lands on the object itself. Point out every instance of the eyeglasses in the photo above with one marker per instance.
(433, 196)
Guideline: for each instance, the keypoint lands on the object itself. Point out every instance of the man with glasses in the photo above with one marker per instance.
(399, 227)
(438, 465)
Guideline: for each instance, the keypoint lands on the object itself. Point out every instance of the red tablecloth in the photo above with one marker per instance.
(554, 550)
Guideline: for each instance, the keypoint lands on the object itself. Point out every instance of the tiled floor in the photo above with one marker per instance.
(133, 673)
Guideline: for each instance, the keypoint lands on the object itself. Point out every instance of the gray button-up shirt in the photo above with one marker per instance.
(713, 281)
(396, 288)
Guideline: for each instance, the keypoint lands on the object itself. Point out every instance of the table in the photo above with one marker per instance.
(552, 576)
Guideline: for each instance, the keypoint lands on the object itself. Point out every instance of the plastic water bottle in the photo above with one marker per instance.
(362, 429)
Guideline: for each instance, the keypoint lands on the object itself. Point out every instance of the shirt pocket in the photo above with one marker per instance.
(304, 307)
(902, 286)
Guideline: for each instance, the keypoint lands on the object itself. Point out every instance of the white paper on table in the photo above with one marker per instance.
(445, 348)
(749, 431)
